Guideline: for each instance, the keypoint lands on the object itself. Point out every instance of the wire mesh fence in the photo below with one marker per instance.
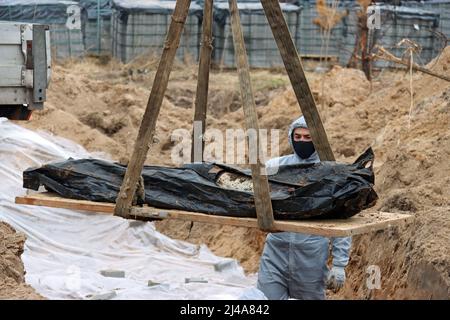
(66, 19)
(320, 34)
(442, 7)
(140, 26)
(126, 29)
(98, 26)
(395, 24)
(261, 47)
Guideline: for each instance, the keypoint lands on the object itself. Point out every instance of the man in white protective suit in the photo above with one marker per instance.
(294, 265)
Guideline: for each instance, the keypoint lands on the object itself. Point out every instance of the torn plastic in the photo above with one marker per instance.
(145, 6)
(66, 250)
(321, 190)
(222, 9)
(37, 11)
(93, 6)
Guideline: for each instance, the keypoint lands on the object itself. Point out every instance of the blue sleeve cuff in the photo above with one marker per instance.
(341, 251)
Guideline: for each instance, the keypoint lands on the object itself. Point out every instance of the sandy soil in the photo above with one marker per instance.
(100, 104)
(12, 281)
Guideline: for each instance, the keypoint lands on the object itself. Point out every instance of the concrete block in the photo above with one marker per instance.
(223, 265)
(113, 273)
(151, 283)
(198, 280)
(103, 296)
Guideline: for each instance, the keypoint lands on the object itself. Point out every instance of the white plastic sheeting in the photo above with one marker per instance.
(66, 250)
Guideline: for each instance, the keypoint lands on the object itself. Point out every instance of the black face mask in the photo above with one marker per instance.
(304, 149)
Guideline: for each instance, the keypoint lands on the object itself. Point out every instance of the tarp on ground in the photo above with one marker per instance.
(66, 250)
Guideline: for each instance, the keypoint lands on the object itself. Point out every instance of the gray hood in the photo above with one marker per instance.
(300, 123)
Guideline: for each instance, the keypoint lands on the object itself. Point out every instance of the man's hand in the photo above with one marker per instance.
(336, 278)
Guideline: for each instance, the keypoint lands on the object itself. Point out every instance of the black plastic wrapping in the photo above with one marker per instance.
(322, 190)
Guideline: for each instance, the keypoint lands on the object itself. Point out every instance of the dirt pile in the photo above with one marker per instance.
(413, 261)
(412, 147)
(12, 281)
(340, 90)
(100, 107)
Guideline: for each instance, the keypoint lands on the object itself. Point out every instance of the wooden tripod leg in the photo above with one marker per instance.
(147, 128)
(201, 98)
(297, 76)
(261, 190)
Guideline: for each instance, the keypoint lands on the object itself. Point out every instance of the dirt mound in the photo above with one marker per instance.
(12, 281)
(413, 261)
(412, 148)
(103, 105)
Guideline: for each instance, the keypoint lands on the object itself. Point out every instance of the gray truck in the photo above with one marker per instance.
(25, 68)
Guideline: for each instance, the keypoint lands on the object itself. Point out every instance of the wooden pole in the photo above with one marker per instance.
(147, 128)
(201, 97)
(297, 76)
(263, 203)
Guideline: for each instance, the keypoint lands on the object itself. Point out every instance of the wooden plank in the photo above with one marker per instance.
(297, 76)
(364, 222)
(201, 97)
(48, 199)
(262, 198)
(147, 128)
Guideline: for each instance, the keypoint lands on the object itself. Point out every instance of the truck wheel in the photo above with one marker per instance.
(15, 112)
